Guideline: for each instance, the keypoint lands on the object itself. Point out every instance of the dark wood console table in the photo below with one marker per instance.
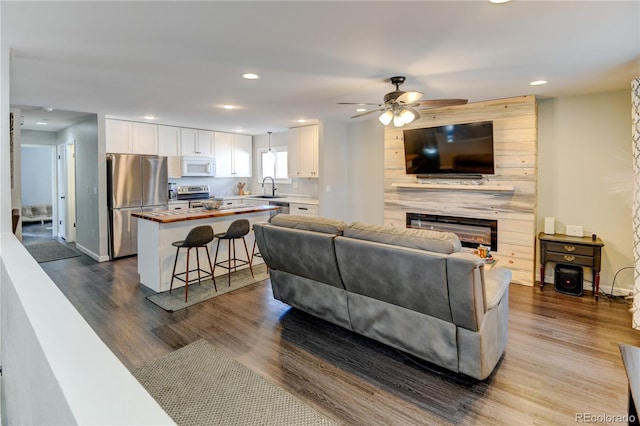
(582, 251)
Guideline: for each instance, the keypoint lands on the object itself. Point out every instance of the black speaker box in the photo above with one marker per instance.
(568, 279)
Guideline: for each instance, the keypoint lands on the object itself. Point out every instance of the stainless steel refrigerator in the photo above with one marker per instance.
(135, 183)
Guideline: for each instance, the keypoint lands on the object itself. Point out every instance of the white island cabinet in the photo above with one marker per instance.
(158, 229)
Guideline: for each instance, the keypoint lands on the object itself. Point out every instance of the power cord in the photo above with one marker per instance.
(613, 284)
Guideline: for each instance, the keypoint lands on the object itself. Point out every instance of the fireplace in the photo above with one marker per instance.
(471, 232)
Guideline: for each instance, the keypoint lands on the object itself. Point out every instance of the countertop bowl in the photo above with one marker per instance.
(212, 204)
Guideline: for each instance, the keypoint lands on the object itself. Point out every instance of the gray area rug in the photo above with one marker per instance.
(200, 385)
(50, 250)
(174, 301)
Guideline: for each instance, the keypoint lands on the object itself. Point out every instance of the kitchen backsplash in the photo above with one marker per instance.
(228, 186)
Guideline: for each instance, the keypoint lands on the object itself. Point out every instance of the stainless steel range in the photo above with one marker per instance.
(195, 194)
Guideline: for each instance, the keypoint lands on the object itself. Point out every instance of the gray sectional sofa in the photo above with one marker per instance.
(411, 289)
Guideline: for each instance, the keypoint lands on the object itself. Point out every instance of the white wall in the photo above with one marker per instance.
(365, 171)
(334, 164)
(585, 174)
(37, 175)
(88, 172)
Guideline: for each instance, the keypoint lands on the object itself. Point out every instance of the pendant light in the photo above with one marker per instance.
(270, 153)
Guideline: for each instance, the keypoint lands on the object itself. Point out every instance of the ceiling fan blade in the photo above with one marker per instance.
(435, 103)
(358, 103)
(409, 97)
(366, 112)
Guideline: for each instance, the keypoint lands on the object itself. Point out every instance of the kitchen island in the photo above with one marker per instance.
(158, 229)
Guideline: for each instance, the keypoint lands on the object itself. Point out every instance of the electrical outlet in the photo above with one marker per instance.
(295, 185)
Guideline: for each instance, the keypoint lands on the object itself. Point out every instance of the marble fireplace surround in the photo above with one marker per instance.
(508, 196)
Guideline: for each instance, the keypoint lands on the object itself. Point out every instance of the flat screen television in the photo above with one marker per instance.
(460, 150)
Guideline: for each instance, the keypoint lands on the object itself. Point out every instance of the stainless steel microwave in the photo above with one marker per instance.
(198, 166)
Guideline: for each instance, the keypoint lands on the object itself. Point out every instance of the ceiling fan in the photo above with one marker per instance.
(399, 106)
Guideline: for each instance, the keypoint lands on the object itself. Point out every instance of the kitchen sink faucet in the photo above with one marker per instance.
(273, 185)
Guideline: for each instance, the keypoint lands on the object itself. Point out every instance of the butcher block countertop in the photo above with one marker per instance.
(171, 216)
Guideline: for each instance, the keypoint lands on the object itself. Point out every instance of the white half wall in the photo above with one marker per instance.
(55, 369)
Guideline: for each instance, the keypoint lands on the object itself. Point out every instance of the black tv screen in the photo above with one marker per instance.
(457, 149)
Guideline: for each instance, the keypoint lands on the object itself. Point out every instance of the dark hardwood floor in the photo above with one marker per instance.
(562, 357)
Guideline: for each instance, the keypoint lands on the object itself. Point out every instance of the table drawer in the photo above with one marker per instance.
(570, 258)
(573, 249)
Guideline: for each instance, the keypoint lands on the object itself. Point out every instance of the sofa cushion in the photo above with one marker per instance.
(40, 210)
(309, 223)
(422, 239)
(27, 211)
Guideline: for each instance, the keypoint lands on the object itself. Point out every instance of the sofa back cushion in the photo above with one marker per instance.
(309, 223)
(421, 239)
(406, 277)
(300, 252)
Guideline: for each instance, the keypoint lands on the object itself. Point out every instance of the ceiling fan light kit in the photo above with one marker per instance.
(386, 117)
(399, 106)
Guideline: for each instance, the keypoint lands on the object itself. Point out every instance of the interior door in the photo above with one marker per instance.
(70, 159)
(66, 191)
(62, 192)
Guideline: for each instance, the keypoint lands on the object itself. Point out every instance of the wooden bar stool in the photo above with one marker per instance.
(237, 230)
(197, 238)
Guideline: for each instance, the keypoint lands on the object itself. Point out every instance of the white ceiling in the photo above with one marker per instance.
(180, 60)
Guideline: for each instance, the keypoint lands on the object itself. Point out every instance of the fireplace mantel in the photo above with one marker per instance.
(454, 187)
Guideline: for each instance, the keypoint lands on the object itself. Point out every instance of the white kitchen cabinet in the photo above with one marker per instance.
(128, 137)
(196, 143)
(303, 209)
(233, 155)
(169, 146)
(181, 205)
(303, 151)
(233, 201)
(118, 136)
(144, 138)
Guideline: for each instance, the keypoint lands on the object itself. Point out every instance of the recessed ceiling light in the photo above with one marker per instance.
(228, 106)
(251, 76)
(361, 110)
(48, 109)
(42, 123)
(302, 120)
(499, 1)
(538, 82)
(149, 117)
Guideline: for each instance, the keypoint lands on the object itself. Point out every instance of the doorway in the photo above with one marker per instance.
(38, 175)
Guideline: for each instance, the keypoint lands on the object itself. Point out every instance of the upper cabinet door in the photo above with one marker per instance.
(242, 155)
(205, 143)
(233, 155)
(224, 154)
(189, 142)
(309, 151)
(303, 152)
(145, 138)
(169, 146)
(118, 136)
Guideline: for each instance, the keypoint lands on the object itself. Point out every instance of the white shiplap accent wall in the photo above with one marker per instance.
(515, 150)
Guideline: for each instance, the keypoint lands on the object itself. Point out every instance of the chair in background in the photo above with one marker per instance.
(197, 238)
(237, 230)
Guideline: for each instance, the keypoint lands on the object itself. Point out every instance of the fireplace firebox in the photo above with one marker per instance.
(471, 232)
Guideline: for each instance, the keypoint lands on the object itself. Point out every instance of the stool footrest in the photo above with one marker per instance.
(236, 262)
(203, 276)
